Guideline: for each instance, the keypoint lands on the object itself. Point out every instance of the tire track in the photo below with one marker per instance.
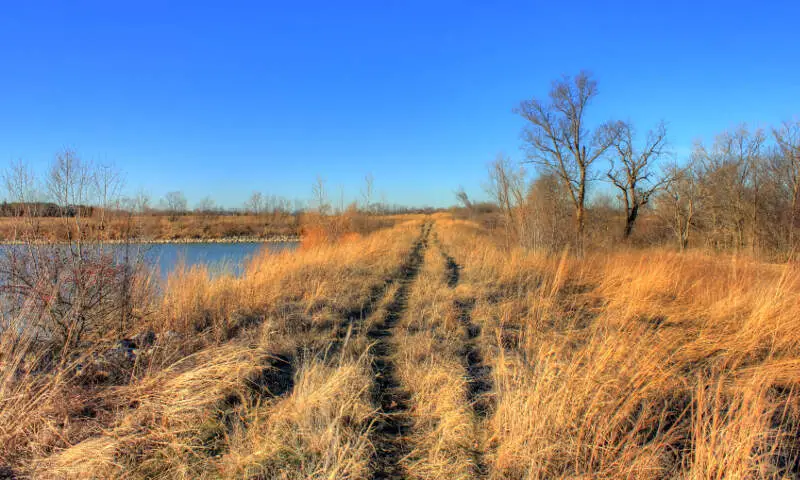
(479, 373)
(353, 320)
(392, 423)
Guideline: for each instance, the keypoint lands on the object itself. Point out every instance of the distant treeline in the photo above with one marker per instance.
(50, 209)
(43, 209)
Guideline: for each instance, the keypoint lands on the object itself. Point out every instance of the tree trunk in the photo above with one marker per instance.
(630, 220)
(579, 224)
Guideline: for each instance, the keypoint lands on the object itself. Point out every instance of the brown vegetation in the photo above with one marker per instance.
(119, 227)
(451, 354)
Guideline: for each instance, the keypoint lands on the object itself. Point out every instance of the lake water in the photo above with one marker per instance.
(165, 257)
(219, 257)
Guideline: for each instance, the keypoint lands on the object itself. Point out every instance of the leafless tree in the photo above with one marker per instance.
(507, 187)
(66, 290)
(255, 204)
(787, 167)
(558, 140)
(108, 184)
(549, 210)
(206, 205)
(463, 198)
(175, 203)
(320, 196)
(22, 190)
(367, 191)
(677, 205)
(340, 208)
(633, 172)
(729, 175)
(141, 202)
(69, 184)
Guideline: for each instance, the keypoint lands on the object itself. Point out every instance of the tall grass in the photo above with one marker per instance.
(430, 364)
(319, 431)
(633, 364)
(215, 336)
(637, 364)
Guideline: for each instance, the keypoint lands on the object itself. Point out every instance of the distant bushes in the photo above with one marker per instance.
(352, 224)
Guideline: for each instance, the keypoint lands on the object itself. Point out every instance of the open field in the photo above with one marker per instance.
(427, 350)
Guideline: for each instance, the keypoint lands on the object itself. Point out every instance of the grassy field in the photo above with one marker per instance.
(427, 350)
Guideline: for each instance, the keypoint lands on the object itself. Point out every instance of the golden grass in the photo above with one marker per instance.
(170, 430)
(635, 364)
(215, 334)
(321, 430)
(638, 365)
(430, 365)
(152, 227)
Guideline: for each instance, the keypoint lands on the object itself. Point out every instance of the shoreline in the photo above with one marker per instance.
(171, 241)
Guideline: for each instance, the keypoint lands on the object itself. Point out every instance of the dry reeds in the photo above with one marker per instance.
(635, 364)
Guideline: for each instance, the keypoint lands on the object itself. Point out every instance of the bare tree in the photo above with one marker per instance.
(787, 167)
(367, 192)
(68, 184)
(549, 210)
(108, 183)
(677, 205)
(558, 140)
(340, 208)
(141, 202)
(206, 205)
(320, 196)
(463, 198)
(66, 290)
(633, 171)
(22, 191)
(507, 186)
(255, 204)
(728, 175)
(175, 203)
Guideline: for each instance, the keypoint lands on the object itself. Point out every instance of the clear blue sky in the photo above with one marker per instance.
(239, 96)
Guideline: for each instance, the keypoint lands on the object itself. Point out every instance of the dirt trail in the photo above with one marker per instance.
(479, 374)
(393, 422)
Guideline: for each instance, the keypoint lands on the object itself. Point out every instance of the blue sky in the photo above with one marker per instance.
(223, 99)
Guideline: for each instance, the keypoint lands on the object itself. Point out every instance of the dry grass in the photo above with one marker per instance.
(173, 425)
(196, 226)
(157, 227)
(215, 335)
(429, 343)
(321, 430)
(636, 364)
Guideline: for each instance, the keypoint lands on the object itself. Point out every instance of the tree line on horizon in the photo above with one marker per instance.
(739, 193)
(96, 190)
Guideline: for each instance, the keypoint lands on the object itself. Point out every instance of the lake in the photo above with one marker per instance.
(219, 257)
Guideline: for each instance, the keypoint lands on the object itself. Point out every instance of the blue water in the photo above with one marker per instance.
(219, 257)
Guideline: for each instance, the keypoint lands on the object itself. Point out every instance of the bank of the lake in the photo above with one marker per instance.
(170, 241)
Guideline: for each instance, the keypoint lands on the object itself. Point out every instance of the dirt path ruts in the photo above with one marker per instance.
(479, 374)
(393, 422)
